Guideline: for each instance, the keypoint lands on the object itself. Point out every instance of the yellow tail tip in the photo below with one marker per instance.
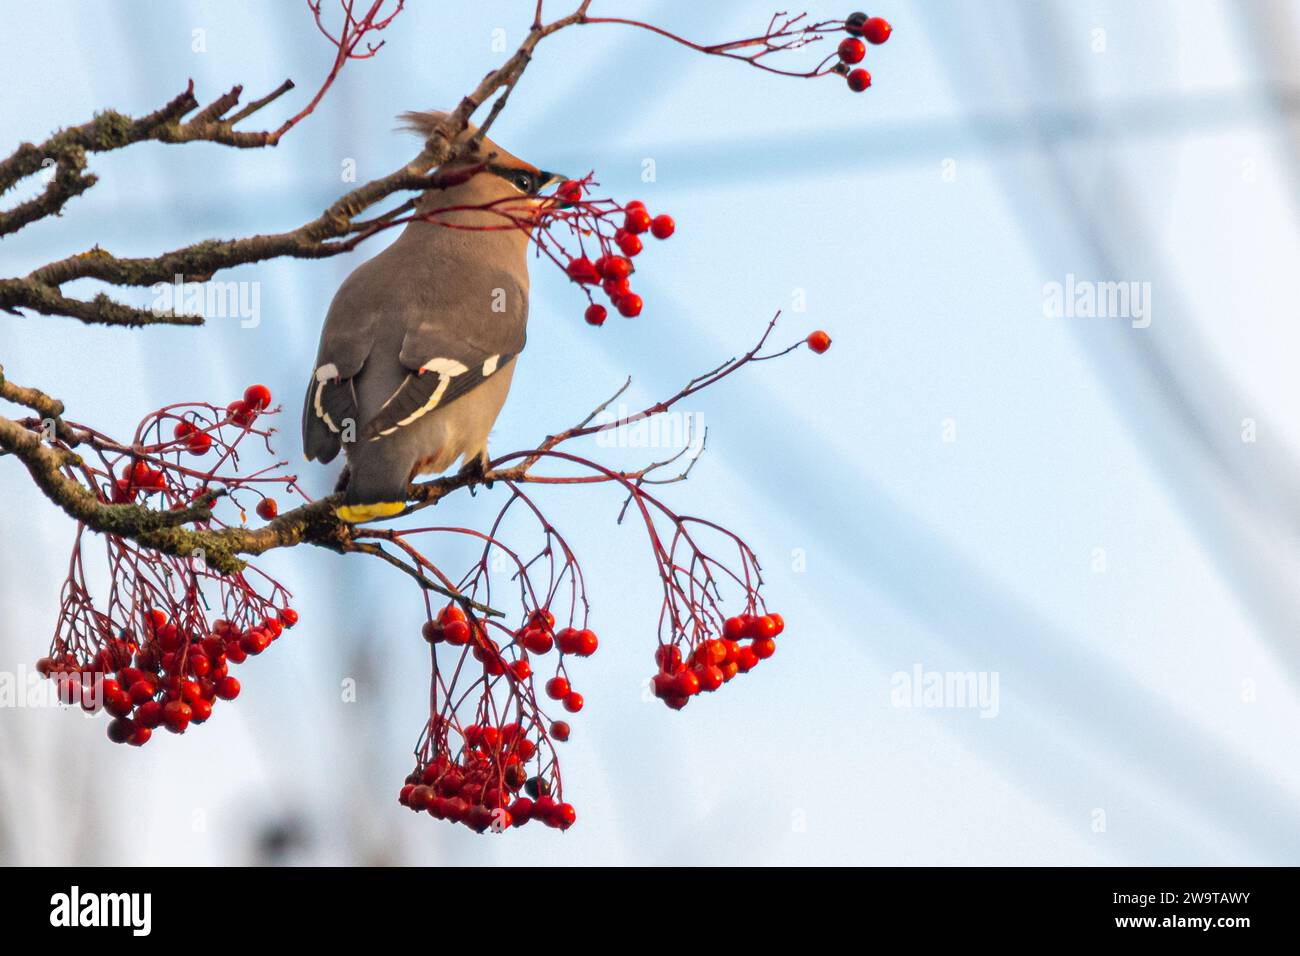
(356, 514)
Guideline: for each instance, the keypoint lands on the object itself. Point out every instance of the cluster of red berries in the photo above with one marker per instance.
(612, 271)
(141, 478)
(852, 50)
(537, 636)
(244, 411)
(715, 661)
(483, 789)
(172, 679)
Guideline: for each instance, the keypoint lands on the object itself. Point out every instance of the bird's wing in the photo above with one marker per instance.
(451, 348)
(345, 345)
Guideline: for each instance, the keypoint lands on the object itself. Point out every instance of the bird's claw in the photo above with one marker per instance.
(474, 472)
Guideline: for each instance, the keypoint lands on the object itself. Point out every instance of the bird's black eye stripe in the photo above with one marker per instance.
(519, 178)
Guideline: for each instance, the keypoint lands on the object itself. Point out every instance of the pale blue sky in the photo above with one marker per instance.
(1160, 692)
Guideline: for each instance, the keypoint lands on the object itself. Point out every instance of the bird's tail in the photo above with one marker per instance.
(377, 478)
(357, 514)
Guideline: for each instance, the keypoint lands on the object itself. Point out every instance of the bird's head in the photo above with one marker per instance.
(505, 180)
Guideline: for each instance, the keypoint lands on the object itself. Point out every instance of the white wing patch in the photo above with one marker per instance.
(444, 366)
(490, 365)
(324, 375)
(446, 369)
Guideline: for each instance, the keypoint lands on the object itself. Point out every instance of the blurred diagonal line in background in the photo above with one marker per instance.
(1172, 382)
(986, 132)
(891, 550)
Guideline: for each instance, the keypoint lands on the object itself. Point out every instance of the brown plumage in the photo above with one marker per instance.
(419, 344)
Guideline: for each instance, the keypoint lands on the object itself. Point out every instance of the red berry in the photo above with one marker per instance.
(595, 314)
(257, 397)
(763, 648)
(228, 688)
(521, 811)
(877, 30)
(141, 692)
(140, 735)
(267, 509)
(637, 221)
(616, 267)
(661, 227)
(241, 413)
(819, 341)
(859, 80)
(565, 816)
(456, 633)
(149, 714)
(668, 657)
(686, 684)
(734, 628)
(177, 716)
(538, 640)
(557, 688)
(200, 710)
(544, 809)
(522, 669)
(713, 652)
(255, 641)
(200, 665)
(852, 50)
(289, 616)
(630, 244)
(764, 627)
(630, 305)
(182, 429)
(616, 289)
(779, 621)
(199, 443)
(709, 676)
(569, 191)
(431, 631)
(662, 685)
(582, 270)
(567, 638)
(120, 730)
(573, 702)
(587, 643)
(559, 730)
(118, 703)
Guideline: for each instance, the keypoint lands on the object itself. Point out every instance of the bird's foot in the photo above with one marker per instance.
(474, 472)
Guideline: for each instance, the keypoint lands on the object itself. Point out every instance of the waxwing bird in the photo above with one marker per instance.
(420, 342)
